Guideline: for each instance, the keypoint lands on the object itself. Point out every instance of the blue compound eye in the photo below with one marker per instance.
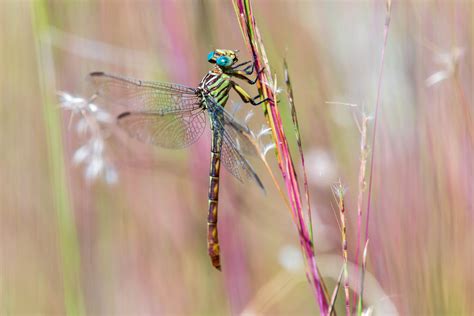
(210, 56)
(224, 61)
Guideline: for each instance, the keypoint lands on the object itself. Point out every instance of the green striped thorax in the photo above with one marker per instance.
(217, 82)
(224, 58)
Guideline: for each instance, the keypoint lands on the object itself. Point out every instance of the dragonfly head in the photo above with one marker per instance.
(224, 58)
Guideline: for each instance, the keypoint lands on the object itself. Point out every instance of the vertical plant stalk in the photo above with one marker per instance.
(362, 277)
(294, 117)
(361, 187)
(339, 193)
(267, 90)
(335, 292)
(377, 106)
(67, 235)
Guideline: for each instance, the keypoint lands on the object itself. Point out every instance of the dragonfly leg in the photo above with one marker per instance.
(245, 96)
(258, 74)
(244, 64)
(249, 69)
(253, 102)
(242, 74)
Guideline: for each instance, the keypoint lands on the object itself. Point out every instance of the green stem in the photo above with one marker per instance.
(68, 243)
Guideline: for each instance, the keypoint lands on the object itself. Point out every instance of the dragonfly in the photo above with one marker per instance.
(175, 116)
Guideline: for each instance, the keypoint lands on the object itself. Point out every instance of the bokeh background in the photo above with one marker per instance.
(138, 247)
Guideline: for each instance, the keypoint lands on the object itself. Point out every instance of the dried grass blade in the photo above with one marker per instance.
(361, 187)
(294, 117)
(339, 194)
(331, 310)
(267, 90)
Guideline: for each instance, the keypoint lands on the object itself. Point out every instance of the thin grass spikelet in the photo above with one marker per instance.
(72, 103)
(248, 116)
(267, 148)
(449, 64)
(339, 190)
(92, 156)
(93, 122)
(264, 130)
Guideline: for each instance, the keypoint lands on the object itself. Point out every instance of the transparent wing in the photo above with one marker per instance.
(242, 136)
(235, 162)
(139, 95)
(231, 157)
(173, 130)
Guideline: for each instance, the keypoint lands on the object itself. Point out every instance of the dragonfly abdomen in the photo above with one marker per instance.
(216, 85)
(212, 235)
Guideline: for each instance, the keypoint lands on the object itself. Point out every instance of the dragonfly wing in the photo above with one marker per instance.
(139, 95)
(235, 162)
(231, 156)
(173, 130)
(242, 136)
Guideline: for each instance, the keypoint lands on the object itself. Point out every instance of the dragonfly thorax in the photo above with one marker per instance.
(216, 84)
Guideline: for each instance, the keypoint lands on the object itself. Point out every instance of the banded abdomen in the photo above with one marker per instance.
(217, 86)
(212, 234)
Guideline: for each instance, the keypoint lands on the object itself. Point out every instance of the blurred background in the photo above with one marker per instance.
(137, 245)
